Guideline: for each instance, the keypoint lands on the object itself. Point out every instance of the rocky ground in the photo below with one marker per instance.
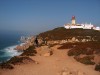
(51, 61)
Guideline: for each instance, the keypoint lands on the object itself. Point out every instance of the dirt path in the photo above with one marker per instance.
(52, 65)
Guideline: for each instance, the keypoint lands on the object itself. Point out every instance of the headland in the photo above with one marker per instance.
(60, 52)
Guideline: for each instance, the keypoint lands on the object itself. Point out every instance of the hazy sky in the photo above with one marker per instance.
(41, 15)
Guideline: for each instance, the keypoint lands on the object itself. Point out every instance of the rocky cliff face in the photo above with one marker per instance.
(27, 43)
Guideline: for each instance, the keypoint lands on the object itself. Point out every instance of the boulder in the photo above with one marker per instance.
(19, 48)
(44, 51)
(80, 73)
(73, 39)
(66, 73)
(47, 54)
(83, 40)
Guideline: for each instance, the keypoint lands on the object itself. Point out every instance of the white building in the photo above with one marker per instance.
(96, 28)
(83, 26)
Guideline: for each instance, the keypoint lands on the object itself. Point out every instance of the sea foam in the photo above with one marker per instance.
(9, 52)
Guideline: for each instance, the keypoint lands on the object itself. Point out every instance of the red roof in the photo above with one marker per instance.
(73, 17)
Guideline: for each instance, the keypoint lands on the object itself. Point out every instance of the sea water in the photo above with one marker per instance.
(8, 41)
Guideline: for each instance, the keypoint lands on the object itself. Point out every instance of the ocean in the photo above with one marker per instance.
(8, 41)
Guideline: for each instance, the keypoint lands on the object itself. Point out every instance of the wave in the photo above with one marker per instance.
(9, 52)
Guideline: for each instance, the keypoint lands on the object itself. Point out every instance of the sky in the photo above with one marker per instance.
(35, 16)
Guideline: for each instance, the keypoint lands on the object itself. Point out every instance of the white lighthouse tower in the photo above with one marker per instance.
(73, 20)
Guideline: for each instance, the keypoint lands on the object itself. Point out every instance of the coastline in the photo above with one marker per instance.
(10, 52)
(55, 57)
(13, 50)
(8, 41)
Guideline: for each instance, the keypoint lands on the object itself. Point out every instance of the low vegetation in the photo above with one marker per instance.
(29, 52)
(6, 66)
(87, 49)
(85, 60)
(97, 67)
(75, 52)
(17, 60)
(67, 46)
(61, 33)
(92, 45)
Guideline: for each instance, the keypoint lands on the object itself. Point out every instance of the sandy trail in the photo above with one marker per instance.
(51, 65)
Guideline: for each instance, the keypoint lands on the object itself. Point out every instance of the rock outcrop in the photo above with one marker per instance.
(71, 40)
(67, 71)
(27, 43)
(44, 51)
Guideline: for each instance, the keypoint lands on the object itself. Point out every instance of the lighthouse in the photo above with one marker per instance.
(73, 20)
